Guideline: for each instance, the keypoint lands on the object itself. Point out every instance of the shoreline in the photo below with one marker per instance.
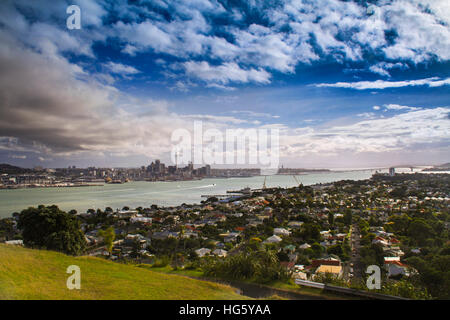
(140, 194)
(13, 187)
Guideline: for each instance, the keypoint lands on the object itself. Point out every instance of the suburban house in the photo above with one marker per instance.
(202, 252)
(220, 253)
(281, 231)
(304, 246)
(273, 239)
(395, 267)
(295, 224)
(336, 271)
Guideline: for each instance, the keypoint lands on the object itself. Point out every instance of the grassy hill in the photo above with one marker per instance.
(40, 274)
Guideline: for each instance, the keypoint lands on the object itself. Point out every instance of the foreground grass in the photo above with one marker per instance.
(40, 274)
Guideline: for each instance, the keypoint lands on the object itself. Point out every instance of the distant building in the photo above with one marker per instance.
(336, 271)
(273, 239)
(281, 231)
(392, 171)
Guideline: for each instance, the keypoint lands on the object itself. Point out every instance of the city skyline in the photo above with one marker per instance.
(347, 84)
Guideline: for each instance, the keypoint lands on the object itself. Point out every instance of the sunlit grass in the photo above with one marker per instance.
(41, 274)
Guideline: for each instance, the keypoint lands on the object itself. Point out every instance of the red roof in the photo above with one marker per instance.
(397, 263)
(316, 263)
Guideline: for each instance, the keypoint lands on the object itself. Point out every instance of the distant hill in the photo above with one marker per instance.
(40, 274)
(441, 167)
(445, 165)
(9, 169)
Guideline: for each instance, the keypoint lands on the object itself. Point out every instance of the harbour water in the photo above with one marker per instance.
(144, 194)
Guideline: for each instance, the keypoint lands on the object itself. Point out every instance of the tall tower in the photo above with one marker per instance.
(176, 160)
(392, 171)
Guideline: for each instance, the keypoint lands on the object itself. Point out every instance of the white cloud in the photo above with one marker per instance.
(403, 132)
(144, 35)
(121, 69)
(54, 107)
(382, 68)
(215, 119)
(255, 114)
(382, 84)
(225, 73)
(42, 159)
(300, 31)
(344, 28)
(17, 156)
(368, 115)
(399, 107)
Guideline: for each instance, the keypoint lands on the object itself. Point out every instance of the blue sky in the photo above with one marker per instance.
(348, 83)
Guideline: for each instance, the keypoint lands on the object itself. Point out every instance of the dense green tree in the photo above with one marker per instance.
(52, 229)
(336, 249)
(6, 228)
(310, 232)
(348, 217)
(261, 266)
(398, 192)
(108, 235)
(420, 230)
(399, 224)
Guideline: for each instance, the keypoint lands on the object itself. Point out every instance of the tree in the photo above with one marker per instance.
(348, 217)
(310, 232)
(212, 199)
(420, 230)
(330, 218)
(52, 229)
(336, 249)
(399, 224)
(406, 289)
(6, 228)
(108, 235)
(317, 249)
(180, 237)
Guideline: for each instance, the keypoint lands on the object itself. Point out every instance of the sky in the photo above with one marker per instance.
(346, 83)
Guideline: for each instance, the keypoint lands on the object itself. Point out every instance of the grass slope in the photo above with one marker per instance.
(40, 274)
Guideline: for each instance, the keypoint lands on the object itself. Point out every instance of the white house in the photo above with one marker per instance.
(273, 239)
(202, 252)
(281, 231)
(304, 246)
(220, 252)
(295, 224)
(395, 268)
(140, 219)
